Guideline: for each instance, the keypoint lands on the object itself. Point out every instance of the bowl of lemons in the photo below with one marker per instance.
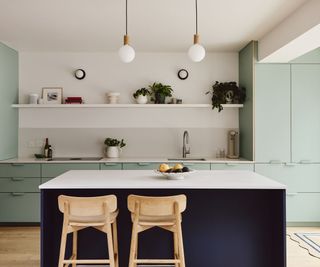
(176, 172)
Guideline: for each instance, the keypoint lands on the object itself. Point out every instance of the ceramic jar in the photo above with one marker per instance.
(112, 152)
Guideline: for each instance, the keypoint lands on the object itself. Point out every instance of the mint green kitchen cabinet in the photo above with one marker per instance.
(141, 166)
(20, 170)
(303, 188)
(303, 207)
(19, 207)
(9, 84)
(196, 166)
(272, 113)
(232, 166)
(51, 170)
(110, 166)
(18, 184)
(306, 113)
(19, 192)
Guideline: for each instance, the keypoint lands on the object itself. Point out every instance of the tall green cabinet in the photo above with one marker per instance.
(286, 129)
(8, 96)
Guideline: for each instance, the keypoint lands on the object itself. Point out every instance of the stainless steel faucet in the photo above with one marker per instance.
(185, 150)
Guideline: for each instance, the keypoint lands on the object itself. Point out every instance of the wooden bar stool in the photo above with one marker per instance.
(163, 212)
(82, 212)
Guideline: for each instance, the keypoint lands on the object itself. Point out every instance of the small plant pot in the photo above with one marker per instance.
(142, 99)
(112, 152)
(159, 98)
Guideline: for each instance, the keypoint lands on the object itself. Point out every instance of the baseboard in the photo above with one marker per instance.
(20, 224)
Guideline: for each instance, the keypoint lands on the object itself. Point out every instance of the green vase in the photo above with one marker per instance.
(159, 98)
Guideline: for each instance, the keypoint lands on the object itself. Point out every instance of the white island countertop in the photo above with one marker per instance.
(148, 179)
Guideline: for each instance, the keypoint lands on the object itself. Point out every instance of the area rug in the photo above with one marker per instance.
(311, 241)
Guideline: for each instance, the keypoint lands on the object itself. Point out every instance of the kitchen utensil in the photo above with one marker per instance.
(233, 144)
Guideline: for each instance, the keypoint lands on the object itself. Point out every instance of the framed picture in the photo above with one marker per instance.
(52, 95)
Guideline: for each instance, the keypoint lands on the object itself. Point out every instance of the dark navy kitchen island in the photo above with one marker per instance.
(233, 218)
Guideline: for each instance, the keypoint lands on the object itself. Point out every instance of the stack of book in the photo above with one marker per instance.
(74, 100)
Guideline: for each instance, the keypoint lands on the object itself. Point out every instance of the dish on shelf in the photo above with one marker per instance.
(175, 175)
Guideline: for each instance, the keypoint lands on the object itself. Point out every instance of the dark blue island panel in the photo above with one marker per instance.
(221, 228)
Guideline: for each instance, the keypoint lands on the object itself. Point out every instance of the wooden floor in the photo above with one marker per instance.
(20, 246)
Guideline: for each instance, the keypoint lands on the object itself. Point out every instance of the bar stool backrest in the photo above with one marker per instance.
(87, 206)
(157, 206)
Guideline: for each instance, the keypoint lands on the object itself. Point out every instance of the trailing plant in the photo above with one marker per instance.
(142, 91)
(114, 142)
(221, 91)
(160, 92)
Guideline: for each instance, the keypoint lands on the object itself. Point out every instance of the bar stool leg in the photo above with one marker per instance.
(175, 244)
(115, 243)
(63, 245)
(110, 245)
(133, 247)
(180, 246)
(75, 247)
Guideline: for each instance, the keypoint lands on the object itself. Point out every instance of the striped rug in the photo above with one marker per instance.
(311, 241)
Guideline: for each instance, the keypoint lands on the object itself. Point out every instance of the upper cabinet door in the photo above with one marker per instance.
(272, 119)
(306, 113)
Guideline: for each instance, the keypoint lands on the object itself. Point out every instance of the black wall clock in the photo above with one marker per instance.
(183, 74)
(80, 74)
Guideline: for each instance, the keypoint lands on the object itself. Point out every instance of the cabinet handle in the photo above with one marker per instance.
(231, 164)
(143, 164)
(17, 194)
(305, 161)
(16, 179)
(291, 194)
(290, 164)
(17, 164)
(110, 164)
(275, 161)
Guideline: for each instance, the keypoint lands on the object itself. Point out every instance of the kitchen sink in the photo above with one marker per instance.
(187, 159)
(76, 158)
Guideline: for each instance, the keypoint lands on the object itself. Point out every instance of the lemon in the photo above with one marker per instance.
(178, 167)
(164, 167)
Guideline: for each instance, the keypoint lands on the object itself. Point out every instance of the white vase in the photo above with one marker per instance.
(113, 152)
(142, 99)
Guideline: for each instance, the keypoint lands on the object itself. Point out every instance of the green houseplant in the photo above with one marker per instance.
(160, 92)
(141, 95)
(113, 147)
(226, 92)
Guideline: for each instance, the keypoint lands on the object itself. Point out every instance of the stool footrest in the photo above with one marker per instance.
(156, 261)
(86, 261)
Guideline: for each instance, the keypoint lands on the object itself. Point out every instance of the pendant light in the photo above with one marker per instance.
(126, 52)
(196, 52)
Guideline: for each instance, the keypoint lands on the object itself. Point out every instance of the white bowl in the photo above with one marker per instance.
(175, 175)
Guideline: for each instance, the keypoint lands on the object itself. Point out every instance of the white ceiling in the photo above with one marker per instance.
(154, 25)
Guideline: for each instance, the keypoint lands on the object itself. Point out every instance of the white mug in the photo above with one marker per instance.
(33, 98)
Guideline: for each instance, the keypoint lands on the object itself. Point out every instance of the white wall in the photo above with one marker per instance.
(148, 132)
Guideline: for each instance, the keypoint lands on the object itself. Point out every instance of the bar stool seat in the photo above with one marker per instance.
(163, 212)
(82, 212)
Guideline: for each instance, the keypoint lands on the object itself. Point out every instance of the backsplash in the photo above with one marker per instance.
(141, 142)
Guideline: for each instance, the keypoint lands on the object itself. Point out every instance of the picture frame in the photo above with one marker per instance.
(52, 95)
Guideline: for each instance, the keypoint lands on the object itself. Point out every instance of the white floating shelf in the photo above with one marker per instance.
(124, 106)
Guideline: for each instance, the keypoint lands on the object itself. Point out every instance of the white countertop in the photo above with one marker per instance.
(148, 179)
(127, 160)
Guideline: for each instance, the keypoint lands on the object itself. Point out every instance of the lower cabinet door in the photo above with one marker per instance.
(232, 166)
(141, 166)
(51, 170)
(19, 207)
(111, 166)
(303, 207)
(18, 184)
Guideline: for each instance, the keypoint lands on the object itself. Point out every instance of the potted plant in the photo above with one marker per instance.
(160, 92)
(141, 95)
(226, 93)
(113, 147)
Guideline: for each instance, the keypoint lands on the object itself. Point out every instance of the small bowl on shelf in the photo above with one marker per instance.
(175, 175)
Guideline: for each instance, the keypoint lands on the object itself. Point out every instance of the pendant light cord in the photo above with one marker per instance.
(196, 2)
(126, 17)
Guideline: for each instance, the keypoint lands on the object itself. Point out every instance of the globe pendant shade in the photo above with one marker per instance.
(126, 53)
(196, 52)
